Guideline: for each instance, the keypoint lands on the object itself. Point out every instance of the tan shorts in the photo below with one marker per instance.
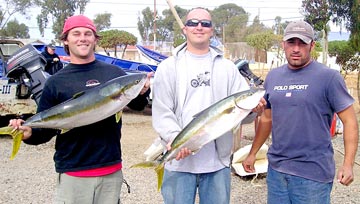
(89, 190)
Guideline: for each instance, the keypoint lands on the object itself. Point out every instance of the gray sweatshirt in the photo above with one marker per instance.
(170, 100)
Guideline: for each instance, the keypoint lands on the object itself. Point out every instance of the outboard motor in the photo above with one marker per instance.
(243, 67)
(26, 68)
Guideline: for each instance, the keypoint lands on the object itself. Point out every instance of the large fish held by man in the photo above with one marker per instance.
(84, 108)
(211, 123)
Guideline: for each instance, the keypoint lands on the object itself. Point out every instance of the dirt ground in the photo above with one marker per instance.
(30, 177)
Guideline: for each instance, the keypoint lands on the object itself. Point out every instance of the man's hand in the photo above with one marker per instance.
(184, 152)
(345, 175)
(17, 125)
(248, 164)
(147, 83)
(260, 107)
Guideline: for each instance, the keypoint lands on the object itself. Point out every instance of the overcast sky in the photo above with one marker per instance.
(126, 12)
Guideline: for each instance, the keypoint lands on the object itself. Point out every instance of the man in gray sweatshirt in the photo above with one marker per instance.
(195, 77)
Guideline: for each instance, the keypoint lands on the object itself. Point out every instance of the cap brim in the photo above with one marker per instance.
(305, 39)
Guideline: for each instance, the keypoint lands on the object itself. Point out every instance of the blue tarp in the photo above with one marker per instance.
(125, 64)
(151, 54)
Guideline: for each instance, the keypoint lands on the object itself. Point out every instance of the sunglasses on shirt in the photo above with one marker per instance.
(194, 23)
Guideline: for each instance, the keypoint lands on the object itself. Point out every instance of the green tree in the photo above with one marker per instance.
(230, 22)
(102, 21)
(348, 13)
(57, 11)
(172, 30)
(146, 24)
(10, 7)
(343, 52)
(279, 26)
(179, 37)
(256, 27)
(116, 38)
(318, 14)
(314, 53)
(235, 30)
(164, 26)
(16, 30)
(353, 63)
(263, 40)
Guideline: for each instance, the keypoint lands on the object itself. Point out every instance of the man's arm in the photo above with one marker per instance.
(351, 138)
(141, 100)
(262, 133)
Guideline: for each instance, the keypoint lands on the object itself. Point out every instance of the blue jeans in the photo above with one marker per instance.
(180, 187)
(288, 189)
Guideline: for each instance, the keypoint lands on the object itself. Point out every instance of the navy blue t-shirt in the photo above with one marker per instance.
(91, 146)
(303, 103)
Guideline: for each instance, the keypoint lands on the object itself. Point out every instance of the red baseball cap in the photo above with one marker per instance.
(78, 21)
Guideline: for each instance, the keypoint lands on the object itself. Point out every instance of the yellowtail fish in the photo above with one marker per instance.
(208, 125)
(84, 108)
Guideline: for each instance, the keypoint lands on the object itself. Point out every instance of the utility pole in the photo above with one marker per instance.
(155, 25)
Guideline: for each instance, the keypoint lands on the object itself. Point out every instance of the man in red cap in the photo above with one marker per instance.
(88, 159)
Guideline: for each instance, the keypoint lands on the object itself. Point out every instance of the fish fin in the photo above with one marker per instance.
(78, 94)
(228, 110)
(199, 113)
(195, 151)
(7, 130)
(160, 174)
(17, 138)
(64, 131)
(146, 164)
(118, 116)
(157, 165)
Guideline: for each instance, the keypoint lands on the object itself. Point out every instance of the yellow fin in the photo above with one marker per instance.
(63, 131)
(7, 130)
(17, 136)
(118, 116)
(147, 164)
(160, 174)
(78, 94)
(159, 169)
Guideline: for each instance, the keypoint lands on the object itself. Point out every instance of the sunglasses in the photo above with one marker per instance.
(194, 23)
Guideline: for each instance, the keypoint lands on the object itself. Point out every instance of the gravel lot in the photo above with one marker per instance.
(30, 177)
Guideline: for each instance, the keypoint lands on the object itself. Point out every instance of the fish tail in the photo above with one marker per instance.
(157, 165)
(147, 164)
(160, 174)
(17, 136)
